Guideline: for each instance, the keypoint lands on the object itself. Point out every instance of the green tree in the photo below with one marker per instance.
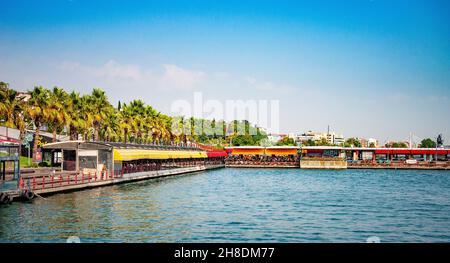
(286, 141)
(80, 116)
(399, 145)
(127, 121)
(427, 143)
(13, 110)
(309, 142)
(7, 103)
(110, 129)
(99, 107)
(322, 142)
(243, 140)
(58, 106)
(38, 111)
(352, 142)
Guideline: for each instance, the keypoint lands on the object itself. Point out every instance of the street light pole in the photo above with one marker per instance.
(435, 153)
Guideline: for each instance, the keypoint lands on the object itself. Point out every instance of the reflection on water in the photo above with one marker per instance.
(245, 205)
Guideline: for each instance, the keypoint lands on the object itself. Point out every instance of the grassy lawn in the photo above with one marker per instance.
(24, 162)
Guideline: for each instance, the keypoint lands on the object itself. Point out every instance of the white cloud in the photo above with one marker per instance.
(169, 76)
(177, 77)
(112, 69)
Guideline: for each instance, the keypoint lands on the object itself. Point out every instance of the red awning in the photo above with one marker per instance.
(217, 154)
(429, 151)
(443, 152)
(419, 151)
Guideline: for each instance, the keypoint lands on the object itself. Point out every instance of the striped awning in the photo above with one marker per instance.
(140, 154)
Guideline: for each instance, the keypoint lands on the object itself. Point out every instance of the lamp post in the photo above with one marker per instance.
(435, 153)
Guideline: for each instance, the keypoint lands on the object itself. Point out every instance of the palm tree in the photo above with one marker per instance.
(12, 110)
(166, 128)
(111, 128)
(59, 104)
(4, 99)
(150, 115)
(158, 129)
(138, 110)
(79, 114)
(38, 111)
(127, 121)
(7, 100)
(98, 107)
(73, 113)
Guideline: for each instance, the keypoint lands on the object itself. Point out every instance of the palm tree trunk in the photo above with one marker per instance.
(73, 133)
(35, 143)
(95, 134)
(21, 138)
(54, 135)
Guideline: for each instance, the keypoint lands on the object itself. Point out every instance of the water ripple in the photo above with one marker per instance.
(245, 205)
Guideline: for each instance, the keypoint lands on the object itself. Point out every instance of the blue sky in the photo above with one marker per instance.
(367, 68)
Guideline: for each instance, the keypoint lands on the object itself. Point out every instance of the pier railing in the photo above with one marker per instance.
(60, 179)
(36, 182)
(399, 164)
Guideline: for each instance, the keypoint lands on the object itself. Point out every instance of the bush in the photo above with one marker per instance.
(44, 164)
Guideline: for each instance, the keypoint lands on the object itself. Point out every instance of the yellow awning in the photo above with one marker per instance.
(281, 151)
(138, 154)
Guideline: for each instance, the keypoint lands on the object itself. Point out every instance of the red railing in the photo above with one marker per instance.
(62, 179)
(399, 164)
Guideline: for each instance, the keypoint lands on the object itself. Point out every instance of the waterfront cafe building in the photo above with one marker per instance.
(378, 155)
(108, 158)
(381, 155)
(260, 150)
(285, 156)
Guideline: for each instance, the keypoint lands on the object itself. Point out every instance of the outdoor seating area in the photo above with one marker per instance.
(263, 160)
(277, 156)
